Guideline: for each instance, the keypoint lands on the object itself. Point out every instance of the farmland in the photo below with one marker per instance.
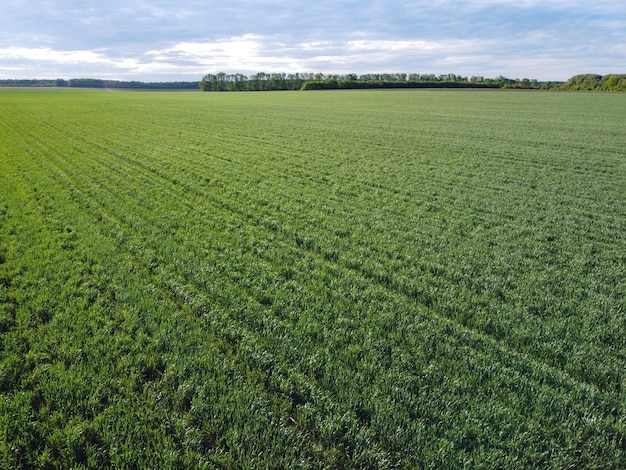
(359, 279)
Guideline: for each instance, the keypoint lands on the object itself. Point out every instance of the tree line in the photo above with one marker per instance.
(98, 83)
(612, 82)
(318, 81)
(257, 82)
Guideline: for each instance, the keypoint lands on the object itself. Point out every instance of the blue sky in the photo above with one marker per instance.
(162, 40)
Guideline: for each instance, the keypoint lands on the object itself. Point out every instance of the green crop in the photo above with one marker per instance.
(359, 279)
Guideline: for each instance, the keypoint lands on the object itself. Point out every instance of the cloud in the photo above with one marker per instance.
(253, 53)
(47, 54)
(235, 48)
(157, 40)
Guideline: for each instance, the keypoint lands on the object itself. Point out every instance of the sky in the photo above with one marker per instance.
(165, 40)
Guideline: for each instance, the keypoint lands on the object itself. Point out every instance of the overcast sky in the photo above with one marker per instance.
(165, 40)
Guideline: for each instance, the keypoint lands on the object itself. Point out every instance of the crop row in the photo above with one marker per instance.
(281, 290)
(542, 234)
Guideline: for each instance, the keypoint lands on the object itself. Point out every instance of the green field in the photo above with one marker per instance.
(359, 279)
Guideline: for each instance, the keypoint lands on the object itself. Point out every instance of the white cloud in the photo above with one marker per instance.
(233, 48)
(253, 53)
(47, 62)
(402, 46)
(159, 41)
(61, 57)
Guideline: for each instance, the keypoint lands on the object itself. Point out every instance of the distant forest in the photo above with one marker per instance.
(319, 81)
(98, 83)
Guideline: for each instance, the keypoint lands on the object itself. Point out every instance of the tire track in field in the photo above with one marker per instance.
(307, 176)
(401, 289)
(180, 193)
(181, 293)
(303, 176)
(239, 162)
(348, 210)
(247, 216)
(183, 297)
(578, 231)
